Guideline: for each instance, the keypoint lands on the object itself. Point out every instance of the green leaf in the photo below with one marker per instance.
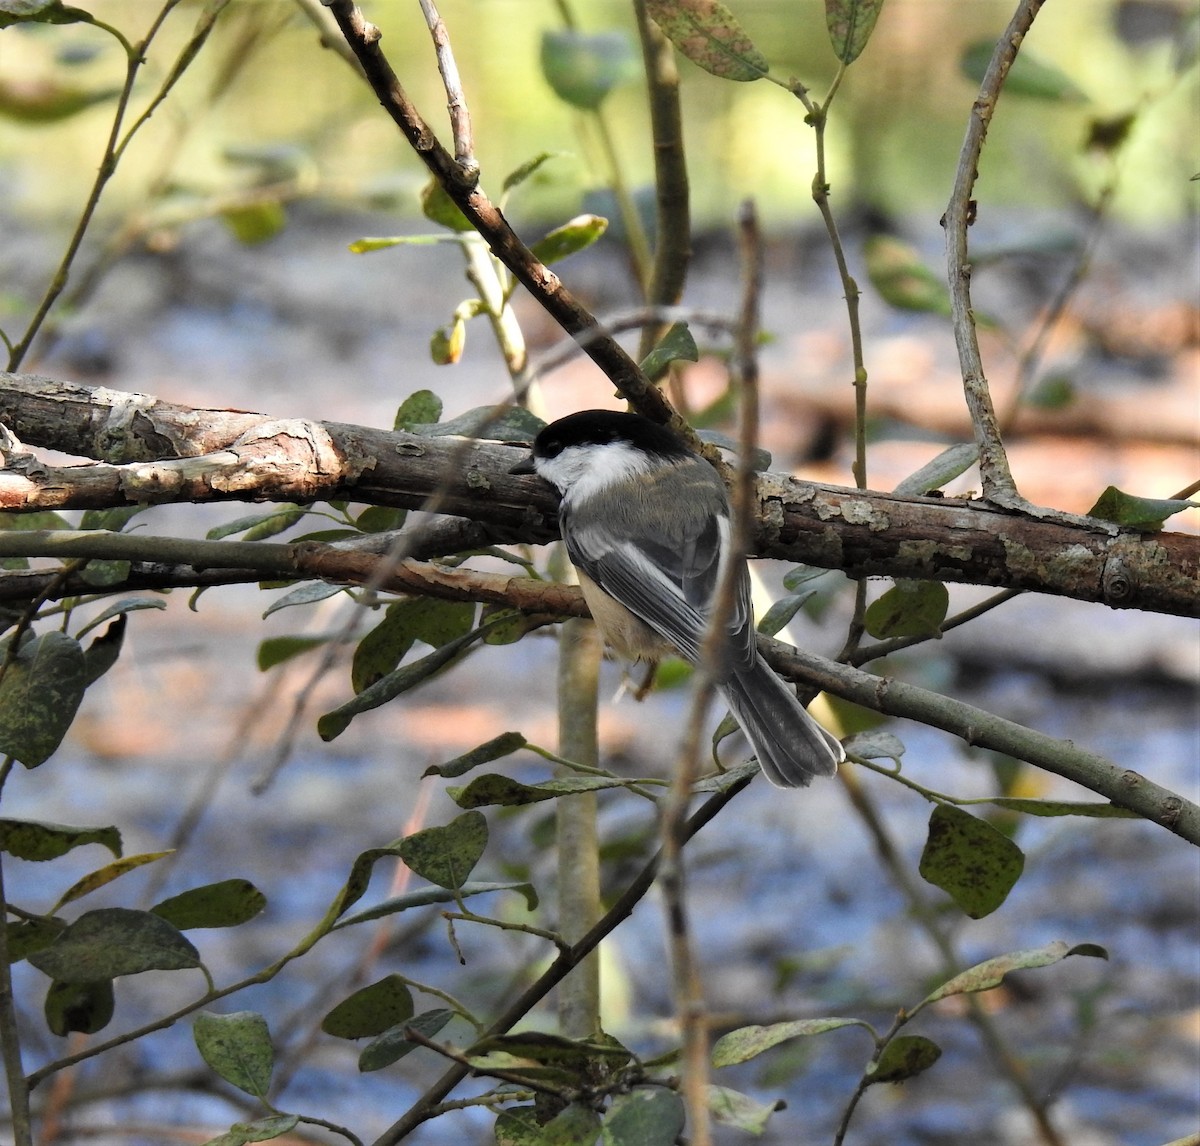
(578, 1056)
(38, 840)
(258, 526)
(422, 407)
(499, 746)
(114, 519)
(120, 608)
(1054, 392)
(48, 101)
(1028, 76)
(909, 609)
(102, 574)
(971, 861)
(677, 345)
(574, 1125)
(371, 1010)
(238, 1047)
(990, 973)
(260, 1130)
(275, 650)
(360, 877)
(393, 1045)
(514, 424)
(83, 1007)
(115, 941)
(1064, 808)
(333, 724)
(645, 1116)
(874, 744)
(582, 69)
(105, 875)
(574, 235)
(949, 464)
(492, 788)
(902, 279)
(429, 895)
(446, 855)
(227, 903)
(306, 594)
(1145, 513)
(103, 652)
(518, 176)
(732, 1108)
(32, 935)
(706, 32)
(446, 345)
(749, 1042)
(439, 208)
(380, 519)
(904, 1057)
(426, 619)
(850, 24)
(255, 222)
(780, 614)
(39, 696)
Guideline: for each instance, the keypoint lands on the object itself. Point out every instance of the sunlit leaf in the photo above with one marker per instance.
(583, 68)
(422, 407)
(255, 222)
(950, 463)
(850, 24)
(574, 235)
(39, 695)
(439, 208)
(238, 1047)
(44, 101)
(971, 861)
(1145, 513)
(106, 875)
(260, 1130)
(115, 941)
(708, 34)
(446, 344)
(529, 168)
(677, 345)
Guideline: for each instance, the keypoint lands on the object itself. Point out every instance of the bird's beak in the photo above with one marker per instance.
(524, 467)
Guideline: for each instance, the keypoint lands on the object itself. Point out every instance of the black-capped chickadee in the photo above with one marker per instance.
(646, 523)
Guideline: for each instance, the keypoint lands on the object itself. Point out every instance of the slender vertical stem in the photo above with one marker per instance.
(10, 1038)
(578, 843)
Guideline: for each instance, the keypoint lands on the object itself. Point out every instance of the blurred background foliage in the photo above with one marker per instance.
(264, 102)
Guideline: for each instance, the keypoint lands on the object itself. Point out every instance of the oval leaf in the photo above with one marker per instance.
(492, 788)
(646, 1116)
(238, 1047)
(371, 1010)
(732, 1108)
(439, 208)
(393, 1045)
(35, 840)
(904, 1057)
(1146, 513)
(970, 860)
(949, 464)
(850, 24)
(115, 941)
(83, 1007)
(260, 1130)
(749, 1042)
(706, 32)
(446, 855)
(582, 69)
(988, 974)
(574, 235)
(897, 273)
(228, 903)
(677, 345)
(1028, 76)
(39, 696)
(499, 746)
(909, 609)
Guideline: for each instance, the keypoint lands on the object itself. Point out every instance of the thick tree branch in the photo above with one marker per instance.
(158, 452)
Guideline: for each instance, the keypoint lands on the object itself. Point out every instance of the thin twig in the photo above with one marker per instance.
(456, 101)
